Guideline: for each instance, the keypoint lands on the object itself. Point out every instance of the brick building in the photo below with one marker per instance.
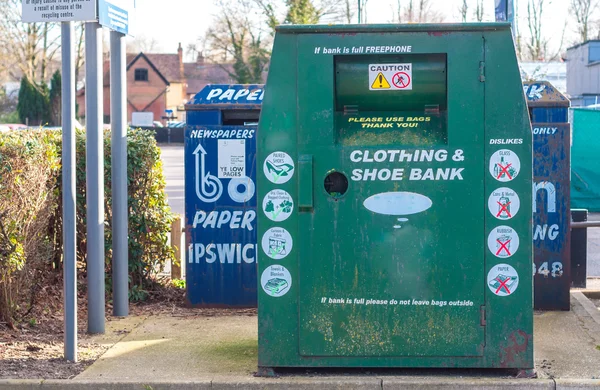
(160, 82)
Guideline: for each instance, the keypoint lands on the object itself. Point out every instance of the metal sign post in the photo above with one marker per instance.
(32, 12)
(116, 16)
(68, 184)
(95, 176)
(118, 114)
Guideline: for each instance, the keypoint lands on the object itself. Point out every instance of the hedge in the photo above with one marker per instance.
(31, 222)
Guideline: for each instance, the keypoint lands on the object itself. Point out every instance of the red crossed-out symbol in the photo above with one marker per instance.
(503, 247)
(401, 80)
(503, 209)
(502, 285)
(504, 170)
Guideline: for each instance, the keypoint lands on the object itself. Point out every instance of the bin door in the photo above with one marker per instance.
(392, 265)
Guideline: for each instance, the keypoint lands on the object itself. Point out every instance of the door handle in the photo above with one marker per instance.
(305, 183)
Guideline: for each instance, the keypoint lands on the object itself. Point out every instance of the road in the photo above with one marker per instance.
(172, 157)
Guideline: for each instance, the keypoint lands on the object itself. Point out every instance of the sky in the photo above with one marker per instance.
(184, 21)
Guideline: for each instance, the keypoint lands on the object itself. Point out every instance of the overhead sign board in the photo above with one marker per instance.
(59, 11)
(230, 94)
(116, 14)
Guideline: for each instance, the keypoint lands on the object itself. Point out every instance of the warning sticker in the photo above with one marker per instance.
(232, 158)
(390, 77)
(504, 203)
(380, 82)
(276, 280)
(503, 242)
(505, 165)
(503, 280)
(277, 243)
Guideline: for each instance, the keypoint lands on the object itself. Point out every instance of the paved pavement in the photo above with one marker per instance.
(224, 349)
(209, 352)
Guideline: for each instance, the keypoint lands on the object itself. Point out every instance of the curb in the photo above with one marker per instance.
(588, 305)
(312, 383)
(593, 294)
(577, 384)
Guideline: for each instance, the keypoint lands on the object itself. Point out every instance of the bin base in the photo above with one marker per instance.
(265, 372)
(529, 374)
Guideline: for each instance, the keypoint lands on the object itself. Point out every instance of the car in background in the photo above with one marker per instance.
(11, 126)
(175, 124)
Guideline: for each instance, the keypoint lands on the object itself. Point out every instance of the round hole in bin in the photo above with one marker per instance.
(336, 184)
(241, 188)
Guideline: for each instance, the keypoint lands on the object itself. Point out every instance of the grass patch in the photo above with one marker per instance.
(238, 351)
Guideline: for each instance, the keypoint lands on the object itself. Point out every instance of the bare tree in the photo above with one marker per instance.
(417, 11)
(234, 38)
(464, 10)
(28, 47)
(479, 11)
(142, 43)
(582, 11)
(537, 46)
(306, 11)
(362, 11)
(349, 11)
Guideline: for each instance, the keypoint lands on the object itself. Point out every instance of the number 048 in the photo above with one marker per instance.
(556, 271)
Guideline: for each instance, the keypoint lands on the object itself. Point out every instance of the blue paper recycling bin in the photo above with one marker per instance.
(548, 109)
(220, 196)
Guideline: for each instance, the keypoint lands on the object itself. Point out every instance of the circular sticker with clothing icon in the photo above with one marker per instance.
(277, 243)
(503, 242)
(278, 167)
(276, 280)
(505, 165)
(504, 203)
(278, 205)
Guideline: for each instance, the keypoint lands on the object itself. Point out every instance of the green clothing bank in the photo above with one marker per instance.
(397, 232)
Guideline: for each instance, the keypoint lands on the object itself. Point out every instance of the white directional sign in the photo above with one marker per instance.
(59, 11)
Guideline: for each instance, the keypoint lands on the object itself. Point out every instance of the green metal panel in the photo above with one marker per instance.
(396, 270)
(585, 190)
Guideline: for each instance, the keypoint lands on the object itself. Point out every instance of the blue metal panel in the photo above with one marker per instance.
(551, 196)
(551, 236)
(208, 117)
(550, 115)
(220, 198)
(220, 207)
(228, 95)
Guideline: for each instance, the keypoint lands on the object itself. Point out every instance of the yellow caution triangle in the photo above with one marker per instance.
(380, 82)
